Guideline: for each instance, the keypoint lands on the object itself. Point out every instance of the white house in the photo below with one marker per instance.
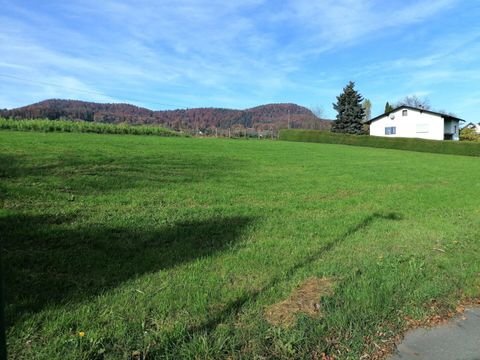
(473, 126)
(410, 122)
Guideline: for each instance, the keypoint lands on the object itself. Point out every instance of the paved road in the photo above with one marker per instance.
(459, 339)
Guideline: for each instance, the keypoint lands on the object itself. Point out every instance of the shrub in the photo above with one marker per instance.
(467, 134)
(432, 146)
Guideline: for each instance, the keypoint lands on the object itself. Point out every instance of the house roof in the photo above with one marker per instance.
(446, 116)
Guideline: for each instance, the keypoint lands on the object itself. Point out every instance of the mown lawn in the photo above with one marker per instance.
(176, 248)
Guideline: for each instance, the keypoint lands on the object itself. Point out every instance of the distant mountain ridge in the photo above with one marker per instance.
(270, 116)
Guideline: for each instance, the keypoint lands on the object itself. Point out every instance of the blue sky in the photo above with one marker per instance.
(213, 53)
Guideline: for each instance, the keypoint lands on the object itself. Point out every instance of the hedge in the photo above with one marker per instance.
(45, 125)
(431, 146)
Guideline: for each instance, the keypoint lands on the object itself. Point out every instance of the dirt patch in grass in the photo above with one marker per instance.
(304, 299)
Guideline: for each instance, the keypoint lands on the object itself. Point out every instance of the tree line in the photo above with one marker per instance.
(205, 120)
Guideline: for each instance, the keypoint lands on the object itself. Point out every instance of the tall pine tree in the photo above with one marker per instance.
(388, 107)
(350, 111)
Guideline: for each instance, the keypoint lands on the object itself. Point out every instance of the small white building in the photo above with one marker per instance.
(410, 122)
(473, 126)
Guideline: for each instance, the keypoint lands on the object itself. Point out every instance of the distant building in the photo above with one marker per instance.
(473, 126)
(410, 122)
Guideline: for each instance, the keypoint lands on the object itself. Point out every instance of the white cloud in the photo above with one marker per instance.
(188, 51)
(339, 23)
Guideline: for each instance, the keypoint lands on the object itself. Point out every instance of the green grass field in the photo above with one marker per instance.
(176, 248)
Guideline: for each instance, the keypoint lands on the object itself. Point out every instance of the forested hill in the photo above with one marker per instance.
(261, 117)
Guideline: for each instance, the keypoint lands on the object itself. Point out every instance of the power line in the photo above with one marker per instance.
(85, 91)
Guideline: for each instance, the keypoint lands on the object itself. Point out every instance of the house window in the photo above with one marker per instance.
(455, 129)
(404, 112)
(390, 130)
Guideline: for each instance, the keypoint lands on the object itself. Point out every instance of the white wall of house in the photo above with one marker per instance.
(414, 124)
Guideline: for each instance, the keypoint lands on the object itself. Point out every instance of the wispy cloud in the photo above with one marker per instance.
(188, 53)
(337, 23)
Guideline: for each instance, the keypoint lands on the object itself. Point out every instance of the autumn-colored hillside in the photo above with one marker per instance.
(264, 117)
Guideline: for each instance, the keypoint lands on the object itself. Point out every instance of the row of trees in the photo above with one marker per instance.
(190, 120)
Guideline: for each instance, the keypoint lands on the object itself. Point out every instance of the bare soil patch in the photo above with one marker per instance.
(304, 299)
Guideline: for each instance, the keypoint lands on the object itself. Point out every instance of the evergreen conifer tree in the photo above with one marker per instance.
(350, 111)
(388, 107)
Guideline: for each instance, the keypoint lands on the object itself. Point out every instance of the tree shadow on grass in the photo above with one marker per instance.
(233, 308)
(47, 261)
